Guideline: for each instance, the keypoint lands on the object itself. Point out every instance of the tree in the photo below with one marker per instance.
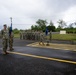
(35, 28)
(75, 24)
(71, 26)
(32, 27)
(51, 26)
(51, 23)
(42, 24)
(16, 31)
(61, 23)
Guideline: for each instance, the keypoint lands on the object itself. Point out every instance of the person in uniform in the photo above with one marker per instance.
(20, 35)
(5, 36)
(41, 38)
(50, 35)
(11, 36)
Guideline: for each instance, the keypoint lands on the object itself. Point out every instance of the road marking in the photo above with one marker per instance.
(43, 57)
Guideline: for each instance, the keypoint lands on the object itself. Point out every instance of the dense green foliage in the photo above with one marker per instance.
(16, 31)
(42, 24)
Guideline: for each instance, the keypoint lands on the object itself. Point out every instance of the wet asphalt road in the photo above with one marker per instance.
(16, 64)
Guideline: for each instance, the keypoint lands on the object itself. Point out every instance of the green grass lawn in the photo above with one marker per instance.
(64, 36)
(16, 35)
(58, 36)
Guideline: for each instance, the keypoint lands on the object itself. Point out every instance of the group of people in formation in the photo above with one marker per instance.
(39, 36)
(7, 39)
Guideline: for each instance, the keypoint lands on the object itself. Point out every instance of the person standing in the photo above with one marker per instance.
(41, 39)
(20, 35)
(5, 36)
(50, 35)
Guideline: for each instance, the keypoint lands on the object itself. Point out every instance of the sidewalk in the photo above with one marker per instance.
(55, 46)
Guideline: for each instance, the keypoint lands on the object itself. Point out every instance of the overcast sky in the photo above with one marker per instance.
(27, 12)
